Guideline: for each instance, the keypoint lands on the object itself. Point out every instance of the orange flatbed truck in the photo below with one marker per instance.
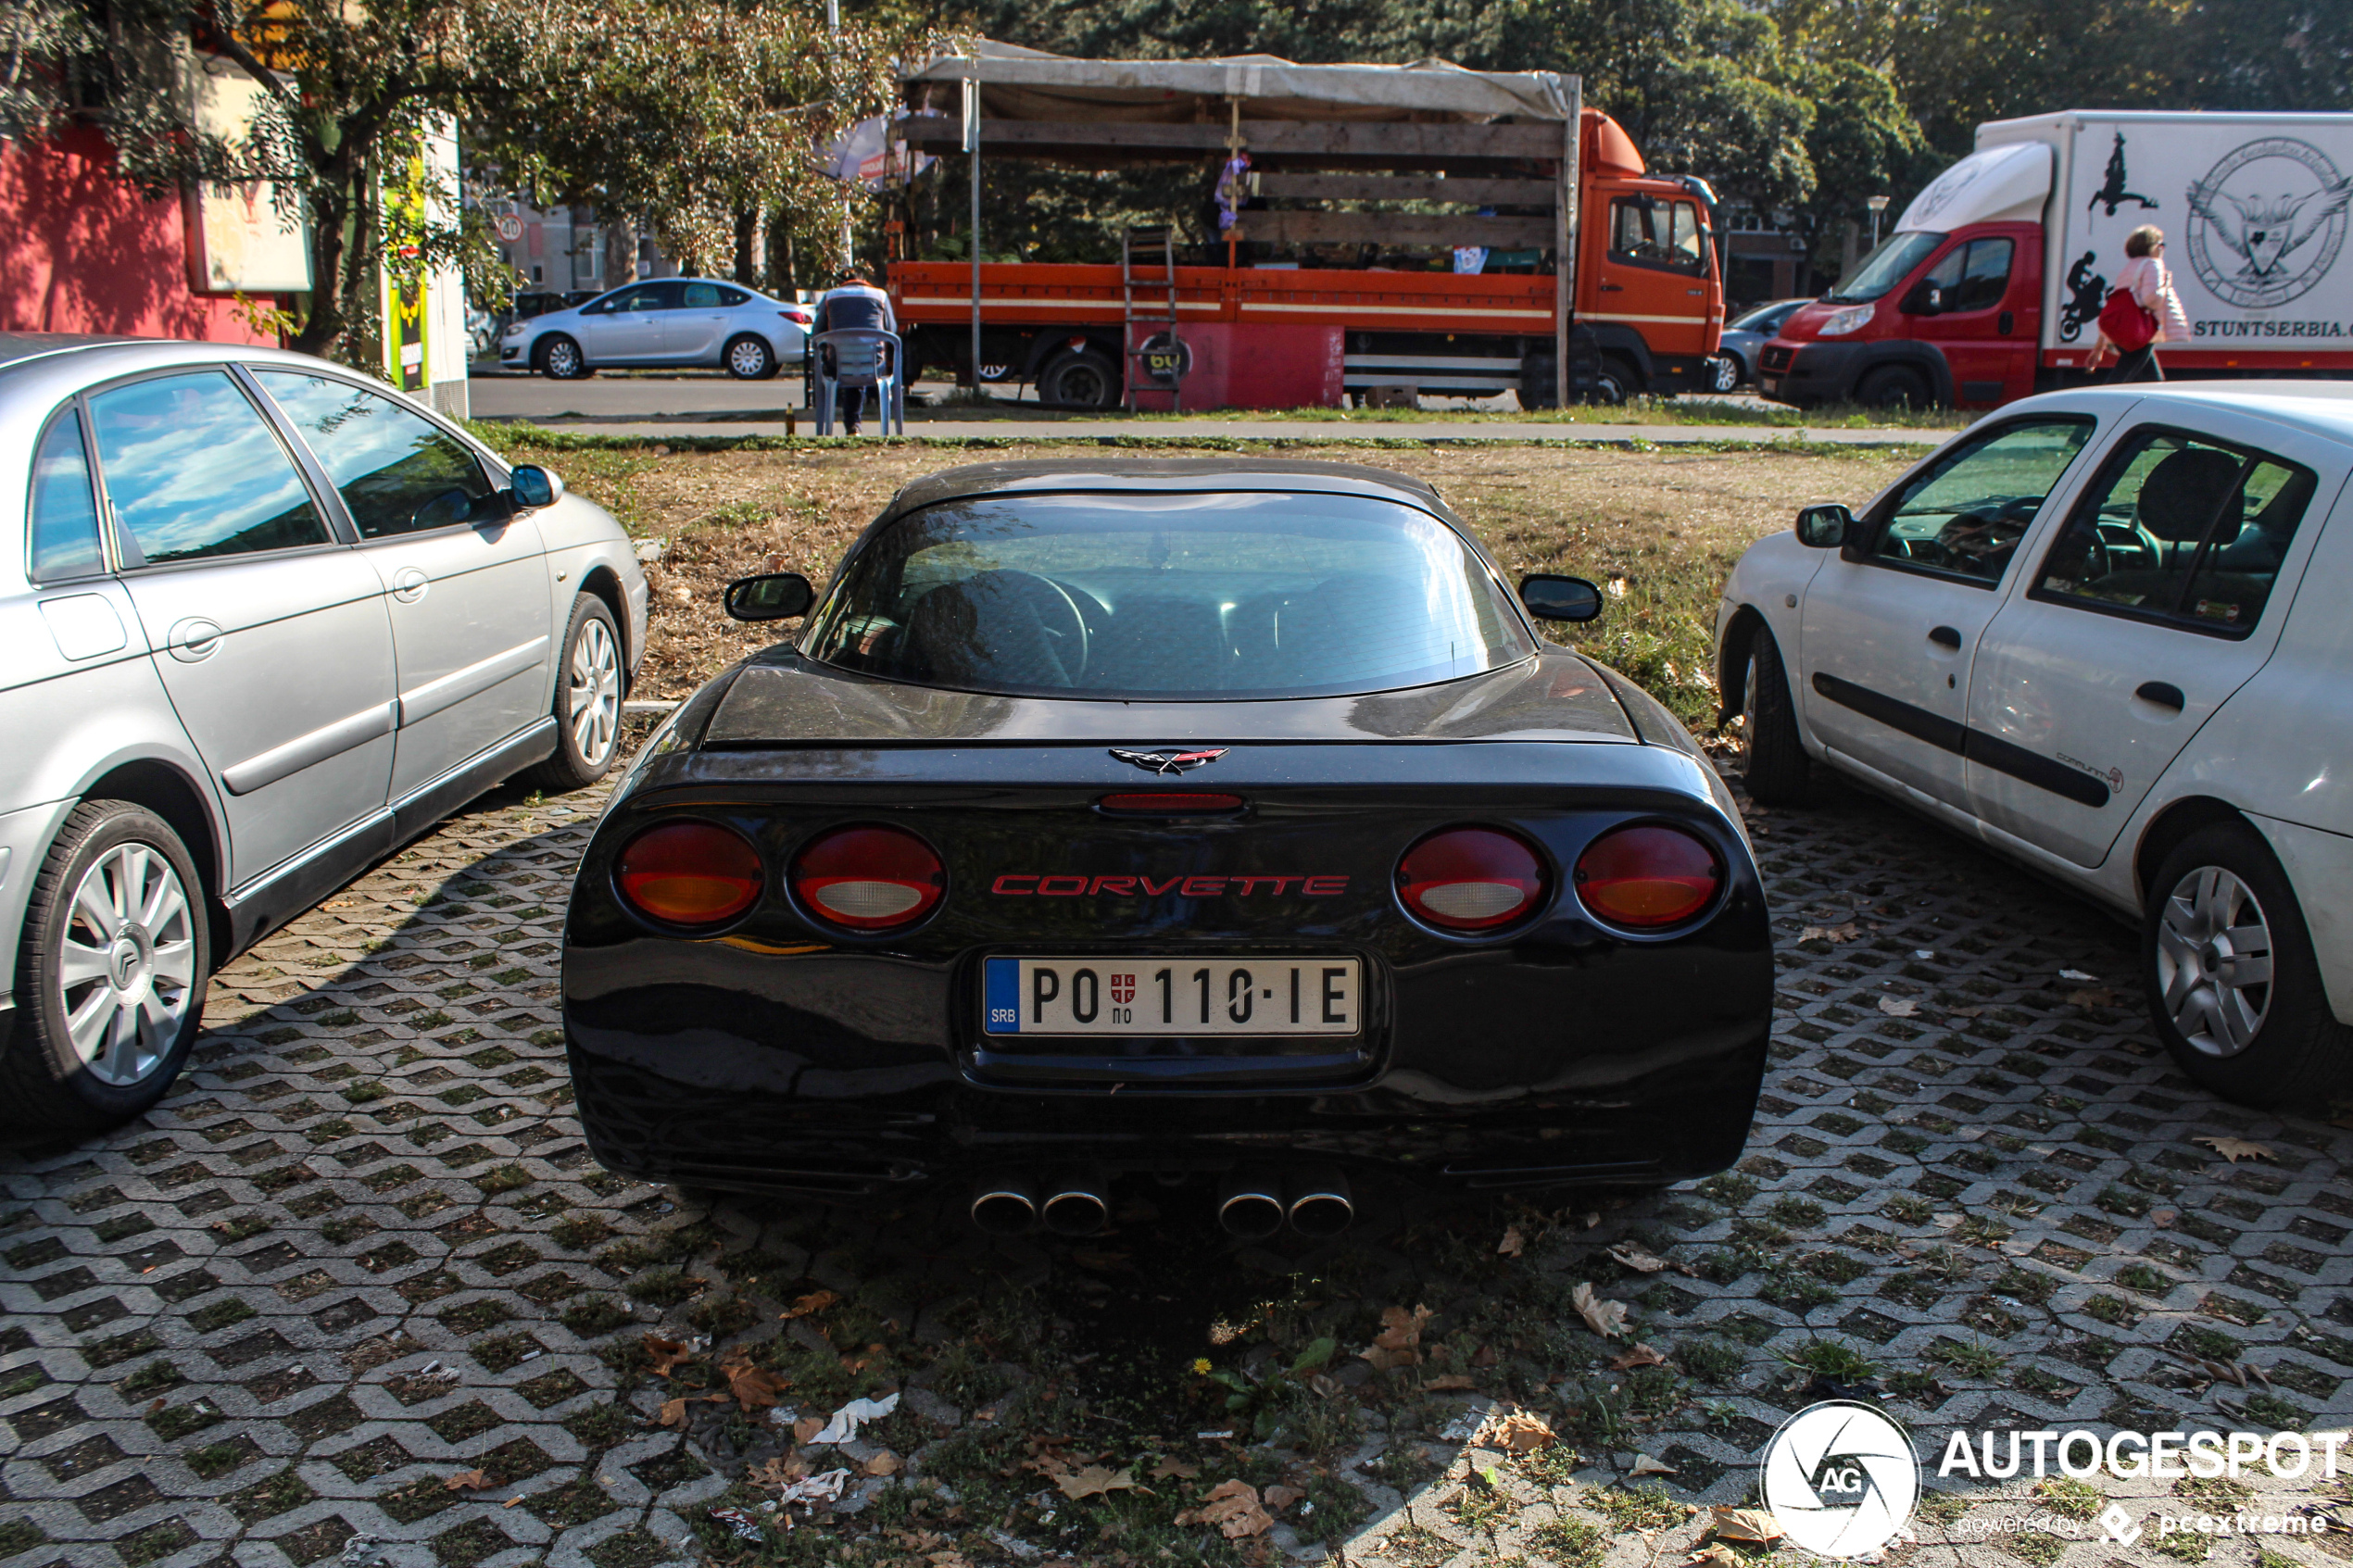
(1644, 294)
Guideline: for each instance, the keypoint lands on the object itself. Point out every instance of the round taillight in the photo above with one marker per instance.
(1470, 879)
(869, 878)
(1647, 876)
(689, 874)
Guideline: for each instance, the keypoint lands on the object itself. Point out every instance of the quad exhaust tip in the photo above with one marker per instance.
(1250, 1208)
(1004, 1206)
(1320, 1207)
(1076, 1205)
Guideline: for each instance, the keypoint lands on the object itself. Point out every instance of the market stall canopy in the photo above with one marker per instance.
(1029, 84)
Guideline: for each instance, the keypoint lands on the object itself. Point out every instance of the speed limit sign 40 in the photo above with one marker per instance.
(509, 227)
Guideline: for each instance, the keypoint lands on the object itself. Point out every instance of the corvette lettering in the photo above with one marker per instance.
(1025, 884)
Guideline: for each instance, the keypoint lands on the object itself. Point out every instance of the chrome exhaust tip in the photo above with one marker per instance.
(1250, 1208)
(1004, 1205)
(1320, 1205)
(1075, 1205)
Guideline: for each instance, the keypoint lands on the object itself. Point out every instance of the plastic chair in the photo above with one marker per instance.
(862, 358)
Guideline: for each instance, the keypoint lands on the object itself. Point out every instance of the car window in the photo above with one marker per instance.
(1964, 515)
(63, 509)
(647, 296)
(1973, 276)
(711, 296)
(2181, 528)
(1169, 597)
(195, 472)
(1653, 233)
(398, 472)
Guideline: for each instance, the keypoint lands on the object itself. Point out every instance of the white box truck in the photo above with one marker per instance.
(1990, 288)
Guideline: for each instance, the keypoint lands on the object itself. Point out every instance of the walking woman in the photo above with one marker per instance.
(2144, 278)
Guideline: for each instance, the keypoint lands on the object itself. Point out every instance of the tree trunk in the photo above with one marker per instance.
(621, 250)
(747, 253)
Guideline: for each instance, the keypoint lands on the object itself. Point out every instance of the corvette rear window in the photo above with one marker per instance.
(1168, 598)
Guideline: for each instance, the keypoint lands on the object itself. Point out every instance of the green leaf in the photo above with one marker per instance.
(1316, 1356)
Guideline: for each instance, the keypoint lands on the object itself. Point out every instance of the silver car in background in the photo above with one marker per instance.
(674, 321)
(261, 620)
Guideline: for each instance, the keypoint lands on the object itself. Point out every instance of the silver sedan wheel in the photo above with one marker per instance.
(747, 358)
(128, 970)
(593, 699)
(2214, 961)
(563, 359)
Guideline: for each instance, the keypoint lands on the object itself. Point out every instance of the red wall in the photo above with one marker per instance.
(80, 252)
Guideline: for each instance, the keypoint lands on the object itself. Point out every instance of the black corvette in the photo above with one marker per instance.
(1222, 820)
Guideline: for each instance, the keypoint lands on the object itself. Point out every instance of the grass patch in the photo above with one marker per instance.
(1974, 1360)
(1571, 1542)
(2068, 1498)
(1634, 1508)
(1832, 1358)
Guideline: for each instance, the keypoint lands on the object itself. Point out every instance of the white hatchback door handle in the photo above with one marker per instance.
(408, 585)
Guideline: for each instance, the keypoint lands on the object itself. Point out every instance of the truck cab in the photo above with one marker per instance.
(1648, 284)
(1947, 312)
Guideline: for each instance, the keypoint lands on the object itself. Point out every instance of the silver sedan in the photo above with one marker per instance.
(672, 321)
(262, 619)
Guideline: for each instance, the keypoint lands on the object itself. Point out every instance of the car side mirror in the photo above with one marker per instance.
(1824, 525)
(772, 596)
(1924, 300)
(1549, 598)
(535, 487)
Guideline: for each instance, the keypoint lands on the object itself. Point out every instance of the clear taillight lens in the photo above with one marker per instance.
(869, 878)
(1470, 879)
(689, 874)
(1648, 876)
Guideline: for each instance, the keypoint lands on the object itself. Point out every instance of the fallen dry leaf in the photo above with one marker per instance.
(1233, 1507)
(1743, 1524)
(1898, 1006)
(2235, 1149)
(1523, 1432)
(883, 1463)
(1277, 1498)
(1634, 1258)
(1714, 1556)
(1097, 1481)
(1398, 1343)
(1829, 933)
(1181, 1470)
(815, 1301)
(467, 1481)
(779, 1471)
(1451, 1382)
(1513, 1244)
(2092, 997)
(1641, 1355)
(1605, 1318)
(666, 1354)
(754, 1387)
(2163, 1218)
(1646, 1465)
(1967, 1013)
(808, 1426)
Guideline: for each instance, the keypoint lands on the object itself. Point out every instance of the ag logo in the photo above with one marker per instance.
(2267, 222)
(1840, 1478)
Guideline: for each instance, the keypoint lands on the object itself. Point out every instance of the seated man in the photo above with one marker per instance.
(852, 302)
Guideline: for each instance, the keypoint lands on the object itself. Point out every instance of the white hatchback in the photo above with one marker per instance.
(2108, 633)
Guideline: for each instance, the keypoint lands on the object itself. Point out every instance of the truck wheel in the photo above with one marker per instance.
(1080, 378)
(2235, 991)
(1774, 764)
(1617, 381)
(110, 976)
(1894, 386)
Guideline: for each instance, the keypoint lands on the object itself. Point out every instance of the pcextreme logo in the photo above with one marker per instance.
(1840, 1478)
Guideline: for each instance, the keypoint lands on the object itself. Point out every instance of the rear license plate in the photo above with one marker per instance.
(1170, 996)
(1769, 384)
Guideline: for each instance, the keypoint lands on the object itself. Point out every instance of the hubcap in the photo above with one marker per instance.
(747, 358)
(2214, 961)
(127, 967)
(594, 700)
(563, 358)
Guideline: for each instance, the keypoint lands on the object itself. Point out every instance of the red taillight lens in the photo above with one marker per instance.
(1172, 803)
(689, 874)
(869, 879)
(1470, 879)
(1648, 876)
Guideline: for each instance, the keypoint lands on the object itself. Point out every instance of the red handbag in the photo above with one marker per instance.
(2126, 322)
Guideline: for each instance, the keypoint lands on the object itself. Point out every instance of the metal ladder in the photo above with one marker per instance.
(1147, 262)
